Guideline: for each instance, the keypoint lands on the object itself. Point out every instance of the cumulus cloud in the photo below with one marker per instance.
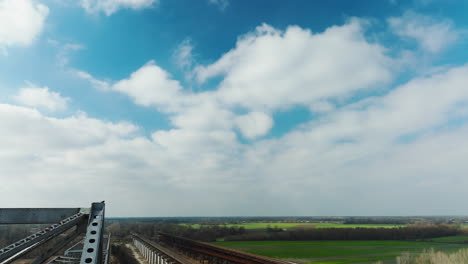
(111, 6)
(150, 85)
(41, 97)
(432, 35)
(275, 69)
(21, 21)
(272, 69)
(352, 157)
(268, 70)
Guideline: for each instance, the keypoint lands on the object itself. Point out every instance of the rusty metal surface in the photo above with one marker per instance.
(209, 250)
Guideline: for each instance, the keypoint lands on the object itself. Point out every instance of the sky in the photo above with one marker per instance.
(235, 108)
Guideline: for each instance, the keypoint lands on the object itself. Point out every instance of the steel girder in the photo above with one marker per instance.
(35, 215)
(89, 219)
(26, 244)
(92, 250)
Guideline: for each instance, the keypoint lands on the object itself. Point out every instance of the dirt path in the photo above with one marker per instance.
(136, 254)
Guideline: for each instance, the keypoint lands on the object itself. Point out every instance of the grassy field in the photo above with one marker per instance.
(338, 252)
(302, 225)
(451, 239)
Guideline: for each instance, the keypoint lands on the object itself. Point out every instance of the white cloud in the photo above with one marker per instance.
(351, 159)
(273, 69)
(432, 35)
(21, 21)
(41, 97)
(150, 85)
(222, 4)
(204, 116)
(268, 70)
(111, 6)
(254, 124)
(322, 107)
(183, 55)
(96, 83)
(383, 149)
(184, 59)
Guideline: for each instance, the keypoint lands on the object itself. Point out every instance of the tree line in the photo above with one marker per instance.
(212, 233)
(415, 232)
(150, 230)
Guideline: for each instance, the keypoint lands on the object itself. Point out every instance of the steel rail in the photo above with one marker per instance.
(107, 253)
(217, 251)
(27, 244)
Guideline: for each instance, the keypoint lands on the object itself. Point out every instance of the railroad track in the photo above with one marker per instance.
(179, 250)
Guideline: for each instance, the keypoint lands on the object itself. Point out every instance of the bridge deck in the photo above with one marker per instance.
(214, 254)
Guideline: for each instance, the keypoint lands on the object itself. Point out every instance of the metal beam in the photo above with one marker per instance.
(24, 245)
(107, 252)
(35, 215)
(58, 245)
(92, 250)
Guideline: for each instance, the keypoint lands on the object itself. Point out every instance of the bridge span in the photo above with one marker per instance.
(81, 230)
(67, 225)
(178, 250)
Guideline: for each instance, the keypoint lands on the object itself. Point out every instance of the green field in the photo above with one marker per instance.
(256, 225)
(451, 239)
(338, 252)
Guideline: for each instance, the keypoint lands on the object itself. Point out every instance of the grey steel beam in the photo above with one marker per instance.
(107, 253)
(58, 245)
(24, 245)
(35, 215)
(92, 250)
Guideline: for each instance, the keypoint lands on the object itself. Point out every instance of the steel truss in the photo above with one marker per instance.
(67, 224)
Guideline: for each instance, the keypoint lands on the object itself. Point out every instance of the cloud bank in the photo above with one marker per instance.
(373, 147)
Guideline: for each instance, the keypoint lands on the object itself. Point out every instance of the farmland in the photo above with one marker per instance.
(340, 252)
(265, 225)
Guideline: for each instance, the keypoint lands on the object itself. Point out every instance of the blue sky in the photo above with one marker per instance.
(240, 107)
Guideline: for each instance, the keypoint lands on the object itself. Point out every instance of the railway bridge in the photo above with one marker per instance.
(172, 249)
(77, 236)
(82, 228)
